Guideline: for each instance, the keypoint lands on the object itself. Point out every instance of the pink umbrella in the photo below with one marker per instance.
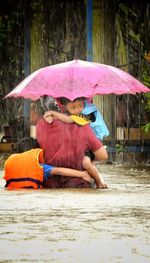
(77, 78)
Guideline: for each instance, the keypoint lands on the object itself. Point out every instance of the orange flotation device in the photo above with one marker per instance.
(23, 170)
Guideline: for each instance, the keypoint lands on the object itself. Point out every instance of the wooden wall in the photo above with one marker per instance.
(119, 39)
(58, 31)
(103, 52)
(58, 34)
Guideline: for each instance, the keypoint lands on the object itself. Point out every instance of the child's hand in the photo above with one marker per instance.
(48, 117)
(47, 114)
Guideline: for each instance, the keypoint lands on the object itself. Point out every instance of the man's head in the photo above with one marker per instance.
(49, 103)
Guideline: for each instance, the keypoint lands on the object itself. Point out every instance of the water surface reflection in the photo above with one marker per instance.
(71, 226)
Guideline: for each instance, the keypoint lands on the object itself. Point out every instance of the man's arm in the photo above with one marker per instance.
(95, 145)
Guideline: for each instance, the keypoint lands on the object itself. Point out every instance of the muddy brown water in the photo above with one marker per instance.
(78, 225)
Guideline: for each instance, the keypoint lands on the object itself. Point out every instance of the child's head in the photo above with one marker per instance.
(73, 107)
(26, 144)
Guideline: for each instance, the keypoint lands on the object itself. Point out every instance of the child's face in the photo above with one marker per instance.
(75, 107)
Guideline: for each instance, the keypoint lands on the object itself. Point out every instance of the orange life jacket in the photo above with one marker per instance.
(23, 170)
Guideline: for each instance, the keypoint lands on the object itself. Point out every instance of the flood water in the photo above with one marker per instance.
(78, 225)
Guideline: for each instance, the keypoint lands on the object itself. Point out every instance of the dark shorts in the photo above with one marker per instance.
(58, 181)
(90, 155)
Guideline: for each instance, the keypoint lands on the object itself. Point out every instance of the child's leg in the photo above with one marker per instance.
(92, 170)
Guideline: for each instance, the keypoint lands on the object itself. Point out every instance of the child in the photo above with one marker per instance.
(83, 113)
(26, 168)
(79, 111)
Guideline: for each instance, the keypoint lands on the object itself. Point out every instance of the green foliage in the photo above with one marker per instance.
(120, 148)
(146, 81)
(147, 106)
(146, 127)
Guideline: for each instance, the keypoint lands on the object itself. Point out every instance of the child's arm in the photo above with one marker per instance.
(71, 172)
(49, 115)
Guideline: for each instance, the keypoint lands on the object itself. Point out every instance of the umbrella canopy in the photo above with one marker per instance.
(77, 78)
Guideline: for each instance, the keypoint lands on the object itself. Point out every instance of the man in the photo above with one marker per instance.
(65, 145)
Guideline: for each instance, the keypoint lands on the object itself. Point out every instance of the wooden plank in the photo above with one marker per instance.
(144, 135)
(134, 134)
(7, 147)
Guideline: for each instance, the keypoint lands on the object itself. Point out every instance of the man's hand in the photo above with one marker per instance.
(86, 176)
